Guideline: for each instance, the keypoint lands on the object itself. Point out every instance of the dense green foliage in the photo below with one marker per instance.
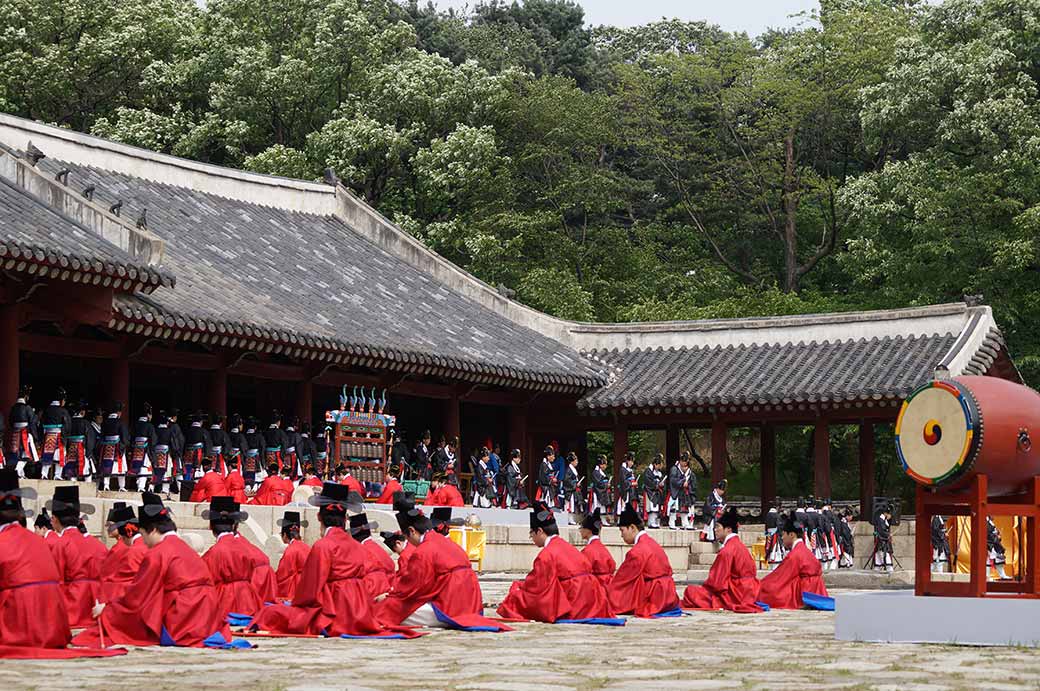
(885, 153)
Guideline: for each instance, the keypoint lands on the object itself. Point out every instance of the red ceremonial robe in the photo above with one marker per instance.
(263, 579)
(643, 584)
(402, 561)
(32, 608)
(231, 568)
(173, 592)
(209, 485)
(445, 495)
(271, 492)
(120, 567)
(312, 482)
(353, 483)
(236, 486)
(330, 597)
(731, 581)
(387, 497)
(603, 565)
(437, 572)
(290, 567)
(798, 573)
(380, 574)
(560, 586)
(79, 557)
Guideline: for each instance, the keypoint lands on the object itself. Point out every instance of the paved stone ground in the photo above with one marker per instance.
(769, 652)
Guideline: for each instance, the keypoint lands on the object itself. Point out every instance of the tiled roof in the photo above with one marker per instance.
(309, 286)
(44, 241)
(776, 375)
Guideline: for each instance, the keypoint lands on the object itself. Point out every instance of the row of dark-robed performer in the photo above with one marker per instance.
(153, 589)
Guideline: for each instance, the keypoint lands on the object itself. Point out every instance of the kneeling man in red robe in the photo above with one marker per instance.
(643, 585)
(77, 555)
(602, 563)
(380, 574)
(561, 584)
(210, 485)
(293, 558)
(124, 560)
(732, 582)
(798, 573)
(172, 600)
(229, 561)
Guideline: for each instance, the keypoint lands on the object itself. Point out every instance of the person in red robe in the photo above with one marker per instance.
(396, 543)
(381, 569)
(331, 596)
(210, 485)
(443, 494)
(310, 478)
(263, 577)
(732, 582)
(78, 556)
(234, 482)
(643, 584)
(391, 486)
(230, 566)
(172, 600)
(601, 562)
(42, 526)
(272, 490)
(798, 573)
(560, 585)
(293, 558)
(438, 575)
(123, 561)
(344, 477)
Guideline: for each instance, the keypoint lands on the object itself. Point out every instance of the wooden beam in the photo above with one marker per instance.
(9, 343)
(767, 470)
(866, 468)
(218, 390)
(269, 370)
(719, 434)
(752, 418)
(178, 359)
(64, 345)
(822, 459)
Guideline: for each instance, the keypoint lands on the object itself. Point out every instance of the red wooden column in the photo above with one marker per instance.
(305, 400)
(620, 445)
(822, 459)
(719, 434)
(218, 391)
(119, 384)
(866, 468)
(671, 444)
(768, 467)
(8, 355)
(450, 418)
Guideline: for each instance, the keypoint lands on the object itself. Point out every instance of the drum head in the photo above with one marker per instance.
(937, 432)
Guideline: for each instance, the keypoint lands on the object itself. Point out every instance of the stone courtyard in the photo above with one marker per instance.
(706, 650)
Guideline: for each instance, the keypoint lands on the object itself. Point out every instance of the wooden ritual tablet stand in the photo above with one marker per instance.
(974, 503)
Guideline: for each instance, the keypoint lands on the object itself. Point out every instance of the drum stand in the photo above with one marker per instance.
(975, 503)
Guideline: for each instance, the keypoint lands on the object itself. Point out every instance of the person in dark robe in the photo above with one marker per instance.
(883, 539)
(601, 562)
(996, 554)
(305, 449)
(798, 573)
(391, 485)
(290, 566)
(682, 494)
(516, 497)
(599, 487)
(77, 556)
(230, 567)
(141, 451)
(401, 457)
(437, 578)
(290, 454)
(20, 450)
(548, 482)
(237, 443)
(732, 582)
(321, 453)
(560, 585)
(274, 443)
(210, 485)
(123, 561)
(113, 440)
(643, 584)
(774, 543)
(380, 573)
(164, 468)
(571, 488)
(177, 449)
(421, 460)
(79, 446)
(714, 505)
(652, 495)
(848, 542)
(54, 429)
(940, 544)
(251, 462)
(484, 492)
(626, 484)
(196, 447)
(331, 597)
(220, 444)
(172, 600)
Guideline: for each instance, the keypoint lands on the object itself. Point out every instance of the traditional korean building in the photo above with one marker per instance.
(135, 276)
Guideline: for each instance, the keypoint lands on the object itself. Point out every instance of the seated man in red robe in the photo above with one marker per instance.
(732, 582)
(443, 494)
(42, 526)
(798, 573)
(78, 556)
(380, 574)
(32, 606)
(391, 486)
(210, 485)
(172, 600)
(602, 563)
(396, 543)
(120, 567)
(310, 478)
(331, 596)
(344, 477)
(271, 491)
(438, 576)
(643, 585)
(560, 585)
(293, 558)
(234, 482)
(229, 563)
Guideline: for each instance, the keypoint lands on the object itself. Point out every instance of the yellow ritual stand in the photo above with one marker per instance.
(473, 542)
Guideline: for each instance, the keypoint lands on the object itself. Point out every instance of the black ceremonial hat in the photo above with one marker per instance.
(592, 521)
(411, 517)
(441, 515)
(542, 516)
(390, 539)
(66, 501)
(730, 519)
(224, 509)
(359, 524)
(403, 501)
(629, 517)
(291, 518)
(11, 494)
(331, 493)
(118, 517)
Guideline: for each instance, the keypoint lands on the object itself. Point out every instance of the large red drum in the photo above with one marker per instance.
(949, 431)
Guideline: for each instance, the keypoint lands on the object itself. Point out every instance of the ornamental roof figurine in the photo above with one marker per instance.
(224, 509)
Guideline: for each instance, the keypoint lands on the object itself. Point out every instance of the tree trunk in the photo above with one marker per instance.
(790, 213)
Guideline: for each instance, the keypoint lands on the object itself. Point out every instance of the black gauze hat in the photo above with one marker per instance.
(11, 494)
(592, 521)
(542, 516)
(730, 519)
(224, 509)
(359, 524)
(391, 539)
(629, 517)
(118, 517)
(291, 518)
(152, 507)
(404, 501)
(66, 502)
